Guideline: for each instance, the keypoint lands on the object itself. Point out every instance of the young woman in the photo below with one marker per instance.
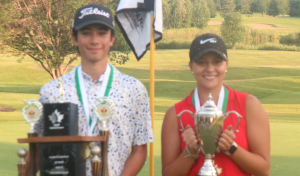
(246, 152)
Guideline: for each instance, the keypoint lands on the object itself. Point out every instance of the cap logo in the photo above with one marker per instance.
(211, 40)
(91, 11)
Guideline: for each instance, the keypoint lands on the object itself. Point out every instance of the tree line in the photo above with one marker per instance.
(41, 29)
(196, 13)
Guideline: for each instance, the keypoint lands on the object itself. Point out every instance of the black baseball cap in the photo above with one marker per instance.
(206, 43)
(91, 14)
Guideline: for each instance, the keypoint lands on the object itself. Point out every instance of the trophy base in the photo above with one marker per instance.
(62, 159)
(208, 168)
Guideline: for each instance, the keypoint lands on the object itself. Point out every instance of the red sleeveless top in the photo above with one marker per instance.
(236, 102)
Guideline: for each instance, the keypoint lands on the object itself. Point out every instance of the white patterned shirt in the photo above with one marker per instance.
(130, 125)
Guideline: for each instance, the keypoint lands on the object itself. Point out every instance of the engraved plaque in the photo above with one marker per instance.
(62, 159)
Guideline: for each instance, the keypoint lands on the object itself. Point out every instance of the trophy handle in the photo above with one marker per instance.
(182, 128)
(179, 116)
(238, 116)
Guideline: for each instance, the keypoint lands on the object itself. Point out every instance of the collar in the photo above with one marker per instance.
(88, 78)
(230, 96)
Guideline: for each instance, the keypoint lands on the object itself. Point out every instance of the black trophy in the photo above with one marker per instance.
(61, 159)
(62, 151)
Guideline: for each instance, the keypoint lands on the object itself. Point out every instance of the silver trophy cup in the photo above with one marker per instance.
(208, 120)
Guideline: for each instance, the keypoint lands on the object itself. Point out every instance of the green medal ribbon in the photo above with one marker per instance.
(107, 90)
(225, 101)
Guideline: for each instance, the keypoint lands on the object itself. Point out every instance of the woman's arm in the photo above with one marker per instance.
(256, 161)
(175, 162)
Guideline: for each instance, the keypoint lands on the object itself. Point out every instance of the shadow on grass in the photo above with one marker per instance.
(179, 90)
(234, 73)
(287, 118)
(20, 88)
(275, 81)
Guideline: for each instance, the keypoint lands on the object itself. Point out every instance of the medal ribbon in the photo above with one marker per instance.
(81, 92)
(222, 101)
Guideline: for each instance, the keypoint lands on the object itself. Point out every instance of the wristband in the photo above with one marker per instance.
(188, 153)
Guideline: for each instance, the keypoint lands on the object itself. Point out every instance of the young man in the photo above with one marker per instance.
(130, 127)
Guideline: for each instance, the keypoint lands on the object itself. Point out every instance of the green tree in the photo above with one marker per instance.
(294, 8)
(218, 5)
(232, 29)
(41, 29)
(212, 8)
(189, 14)
(120, 49)
(175, 13)
(262, 6)
(238, 5)
(179, 13)
(273, 9)
(166, 10)
(201, 13)
(283, 6)
(253, 7)
(227, 6)
(245, 7)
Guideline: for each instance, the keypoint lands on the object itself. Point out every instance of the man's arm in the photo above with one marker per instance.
(135, 161)
(142, 133)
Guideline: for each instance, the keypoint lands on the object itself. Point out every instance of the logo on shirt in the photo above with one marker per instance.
(93, 11)
(211, 40)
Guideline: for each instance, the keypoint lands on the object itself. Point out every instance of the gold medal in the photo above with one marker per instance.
(85, 151)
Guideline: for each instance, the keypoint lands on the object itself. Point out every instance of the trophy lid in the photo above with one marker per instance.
(209, 108)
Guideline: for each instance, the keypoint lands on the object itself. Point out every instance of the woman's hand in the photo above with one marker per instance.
(191, 139)
(255, 160)
(226, 138)
(174, 160)
(219, 133)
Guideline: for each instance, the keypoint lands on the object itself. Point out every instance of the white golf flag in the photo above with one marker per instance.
(134, 19)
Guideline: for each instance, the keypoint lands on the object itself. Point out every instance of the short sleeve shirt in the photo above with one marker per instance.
(130, 125)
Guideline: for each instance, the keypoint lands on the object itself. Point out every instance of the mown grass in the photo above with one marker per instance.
(272, 76)
(253, 38)
(279, 21)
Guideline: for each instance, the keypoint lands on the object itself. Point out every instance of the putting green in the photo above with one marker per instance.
(272, 76)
